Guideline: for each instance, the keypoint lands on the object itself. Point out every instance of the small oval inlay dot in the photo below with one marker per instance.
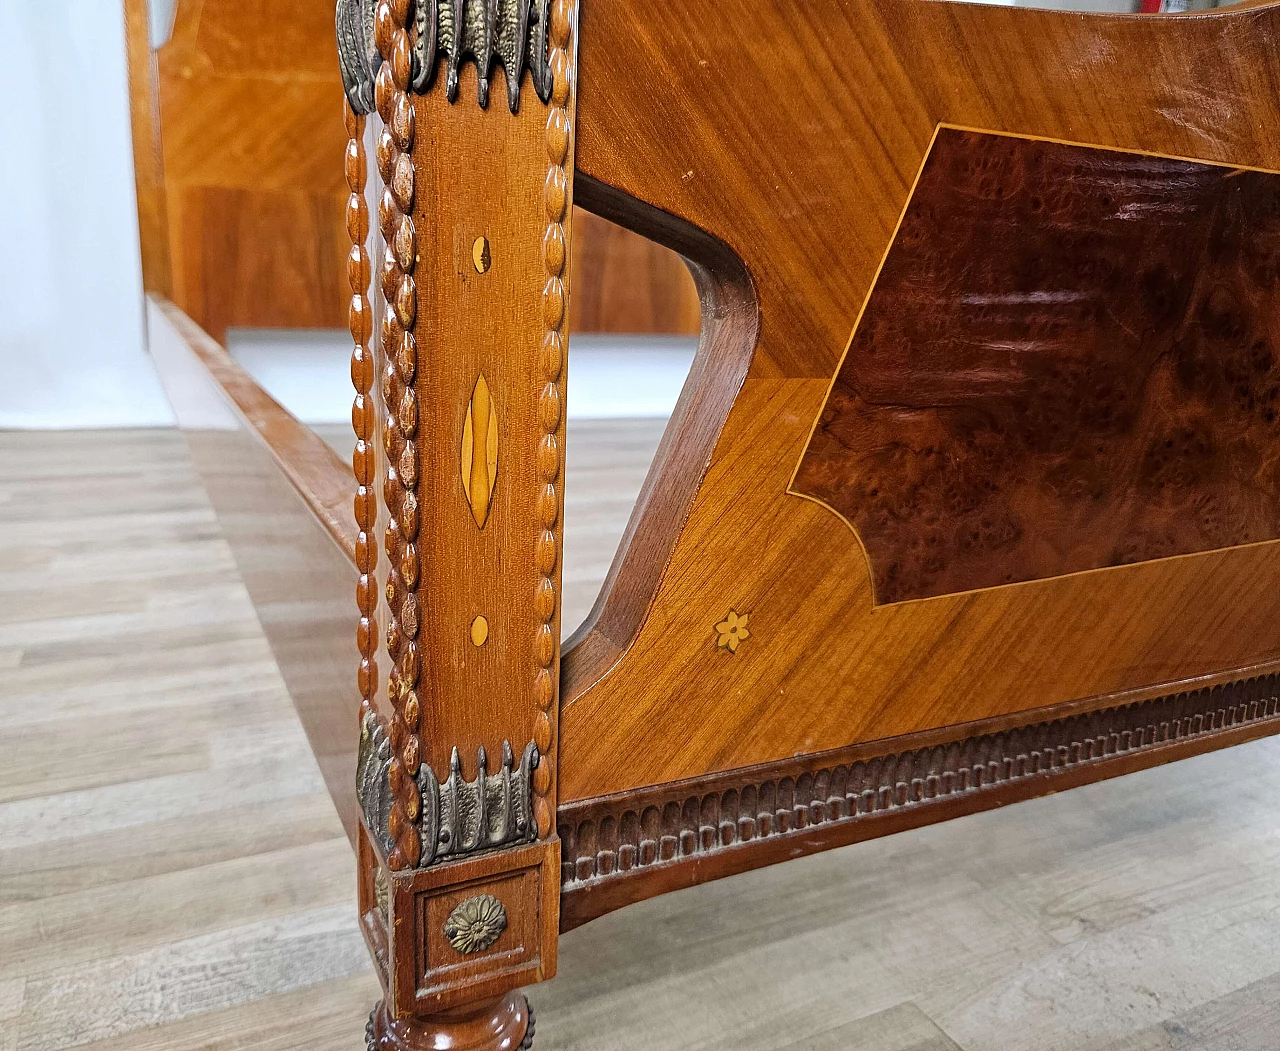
(479, 631)
(480, 256)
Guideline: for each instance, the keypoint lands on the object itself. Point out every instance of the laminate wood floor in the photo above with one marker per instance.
(173, 875)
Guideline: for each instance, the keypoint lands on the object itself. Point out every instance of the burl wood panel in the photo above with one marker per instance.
(1067, 362)
(776, 145)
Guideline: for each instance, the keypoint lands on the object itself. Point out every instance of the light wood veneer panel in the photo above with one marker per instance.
(791, 134)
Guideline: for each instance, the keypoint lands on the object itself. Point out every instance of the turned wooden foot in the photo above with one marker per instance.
(504, 1024)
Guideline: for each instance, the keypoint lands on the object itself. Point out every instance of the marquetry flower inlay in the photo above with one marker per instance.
(476, 924)
(731, 631)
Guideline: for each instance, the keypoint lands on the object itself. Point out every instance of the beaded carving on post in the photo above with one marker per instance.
(362, 412)
(555, 257)
(400, 353)
(414, 818)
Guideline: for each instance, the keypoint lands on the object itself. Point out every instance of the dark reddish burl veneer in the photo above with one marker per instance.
(1067, 362)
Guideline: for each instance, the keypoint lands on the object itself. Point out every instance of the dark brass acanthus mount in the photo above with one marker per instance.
(458, 817)
(514, 32)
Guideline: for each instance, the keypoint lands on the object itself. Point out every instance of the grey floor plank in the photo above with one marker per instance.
(173, 876)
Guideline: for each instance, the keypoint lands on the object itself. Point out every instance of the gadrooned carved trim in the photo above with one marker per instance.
(476, 923)
(557, 200)
(399, 359)
(529, 1033)
(459, 817)
(603, 839)
(363, 457)
(511, 32)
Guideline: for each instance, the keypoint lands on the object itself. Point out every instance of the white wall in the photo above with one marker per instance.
(72, 347)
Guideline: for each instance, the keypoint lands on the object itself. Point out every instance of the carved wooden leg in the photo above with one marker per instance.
(504, 1024)
(452, 942)
(458, 369)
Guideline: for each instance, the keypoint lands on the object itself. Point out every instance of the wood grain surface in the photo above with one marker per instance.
(606, 461)
(148, 160)
(250, 112)
(1067, 362)
(237, 130)
(185, 884)
(627, 283)
(787, 137)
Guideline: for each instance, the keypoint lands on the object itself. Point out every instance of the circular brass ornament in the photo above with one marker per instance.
(476, 923)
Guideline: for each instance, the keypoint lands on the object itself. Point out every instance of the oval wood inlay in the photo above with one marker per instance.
(1068, 361)
(480, 451)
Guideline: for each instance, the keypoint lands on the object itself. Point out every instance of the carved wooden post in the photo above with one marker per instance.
(459, 414)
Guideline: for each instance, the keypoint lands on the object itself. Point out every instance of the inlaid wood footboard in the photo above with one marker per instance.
(1043, 466)
(973, 493)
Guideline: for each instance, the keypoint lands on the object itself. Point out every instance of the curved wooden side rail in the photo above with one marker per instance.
(282, 497)
(321, 478)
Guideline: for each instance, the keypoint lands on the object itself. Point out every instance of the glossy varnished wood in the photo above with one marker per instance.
(250, 112)
(1067, 362)
(237, 121)
(503, 564)
(855, 91)
(148, 161)
(624, 848)
(774, 146)
(471, 323)
(626, 283)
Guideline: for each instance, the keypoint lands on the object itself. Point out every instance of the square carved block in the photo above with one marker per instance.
(464, 930)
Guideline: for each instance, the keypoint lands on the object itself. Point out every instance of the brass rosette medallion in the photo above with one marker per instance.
(476, 924)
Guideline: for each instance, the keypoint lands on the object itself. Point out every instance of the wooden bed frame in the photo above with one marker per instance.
(241, 206)
(1014, 534)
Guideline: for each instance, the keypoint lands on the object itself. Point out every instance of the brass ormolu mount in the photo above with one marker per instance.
(459, 817)
(514, 32)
